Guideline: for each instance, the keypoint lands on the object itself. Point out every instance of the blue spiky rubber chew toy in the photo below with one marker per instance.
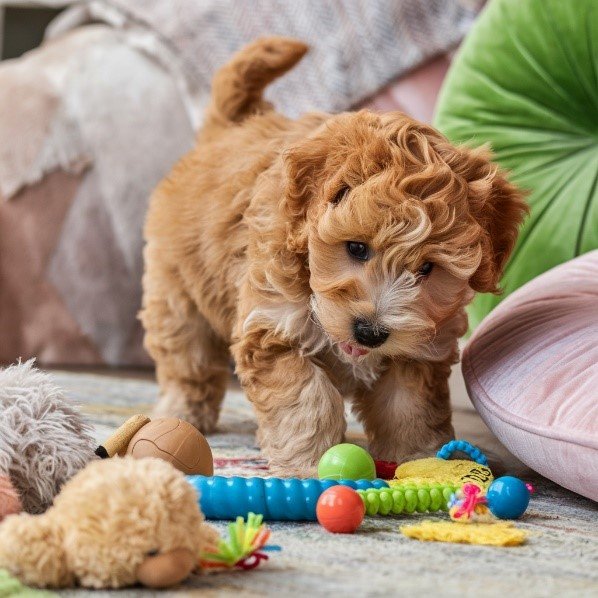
(276, 499)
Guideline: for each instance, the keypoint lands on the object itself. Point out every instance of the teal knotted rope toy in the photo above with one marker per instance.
(464, 447)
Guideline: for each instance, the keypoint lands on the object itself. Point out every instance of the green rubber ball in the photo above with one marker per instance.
(346, 462)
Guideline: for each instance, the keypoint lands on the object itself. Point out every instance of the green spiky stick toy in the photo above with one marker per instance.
(408, 498)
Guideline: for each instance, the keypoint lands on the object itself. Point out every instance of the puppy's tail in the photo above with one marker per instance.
(237, 87)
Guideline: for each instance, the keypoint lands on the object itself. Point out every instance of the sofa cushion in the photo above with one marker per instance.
(531, 370)
(525, 82)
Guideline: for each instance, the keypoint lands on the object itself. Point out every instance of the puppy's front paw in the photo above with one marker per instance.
(292, 471)
(286, 463)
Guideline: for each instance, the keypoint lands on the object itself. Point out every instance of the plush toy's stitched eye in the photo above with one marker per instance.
(154, 552)
(425, 269)
(360, 251)
(340, 195)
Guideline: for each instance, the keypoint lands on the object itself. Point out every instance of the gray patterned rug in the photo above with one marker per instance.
(560, 558)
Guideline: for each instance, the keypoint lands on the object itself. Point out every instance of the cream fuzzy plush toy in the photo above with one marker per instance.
(117, 523)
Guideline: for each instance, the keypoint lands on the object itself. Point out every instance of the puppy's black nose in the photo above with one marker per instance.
(369, 335)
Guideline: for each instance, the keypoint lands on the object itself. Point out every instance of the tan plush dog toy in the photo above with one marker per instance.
(117, 523)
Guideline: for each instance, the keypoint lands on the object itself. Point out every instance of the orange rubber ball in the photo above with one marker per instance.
(340, 510)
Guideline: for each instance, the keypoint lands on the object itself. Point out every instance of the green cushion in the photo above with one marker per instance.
(526, 81)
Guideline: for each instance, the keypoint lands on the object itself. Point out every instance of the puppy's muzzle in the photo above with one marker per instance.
(369, 335)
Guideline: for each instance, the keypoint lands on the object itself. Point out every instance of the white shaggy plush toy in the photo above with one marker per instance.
(43, 440)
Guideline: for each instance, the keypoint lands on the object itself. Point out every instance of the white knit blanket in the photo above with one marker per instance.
(357, 46)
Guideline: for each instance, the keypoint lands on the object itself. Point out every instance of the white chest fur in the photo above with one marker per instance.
(296, 323)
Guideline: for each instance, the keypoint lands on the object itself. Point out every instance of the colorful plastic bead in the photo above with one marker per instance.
(385, 470)
(340, 510)
(508, 497)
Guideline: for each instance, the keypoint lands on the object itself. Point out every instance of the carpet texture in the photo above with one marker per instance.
(560, 558)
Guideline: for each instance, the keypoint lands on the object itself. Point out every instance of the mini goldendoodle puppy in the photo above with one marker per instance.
(333, 255)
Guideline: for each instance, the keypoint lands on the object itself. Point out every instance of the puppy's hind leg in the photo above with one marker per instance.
(191, 360)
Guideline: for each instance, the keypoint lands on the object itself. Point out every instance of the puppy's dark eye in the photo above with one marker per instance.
(425, 269)
(340, 195)
(360, 251)
(154, 552)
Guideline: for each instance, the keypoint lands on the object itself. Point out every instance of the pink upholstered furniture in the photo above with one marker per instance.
(531, 369)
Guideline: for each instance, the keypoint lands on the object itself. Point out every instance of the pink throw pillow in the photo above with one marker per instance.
(531, 370)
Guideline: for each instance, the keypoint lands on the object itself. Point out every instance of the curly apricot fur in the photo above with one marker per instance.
(246, 250)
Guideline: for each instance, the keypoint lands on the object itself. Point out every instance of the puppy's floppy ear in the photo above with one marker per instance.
(497, 206)
(304, 168)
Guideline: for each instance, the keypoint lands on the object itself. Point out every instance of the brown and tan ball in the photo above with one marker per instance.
(176, 441)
